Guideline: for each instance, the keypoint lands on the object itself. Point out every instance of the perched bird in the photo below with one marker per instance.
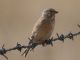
(44, 27)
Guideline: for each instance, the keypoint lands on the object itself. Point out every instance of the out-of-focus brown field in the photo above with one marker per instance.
(17, 18)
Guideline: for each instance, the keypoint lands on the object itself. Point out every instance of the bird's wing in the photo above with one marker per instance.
(42, 30)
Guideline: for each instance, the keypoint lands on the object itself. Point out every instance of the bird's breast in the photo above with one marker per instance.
(43, 30)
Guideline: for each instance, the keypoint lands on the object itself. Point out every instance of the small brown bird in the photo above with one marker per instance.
(44, 27)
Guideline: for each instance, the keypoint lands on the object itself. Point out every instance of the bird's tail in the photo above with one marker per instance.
(26, 52)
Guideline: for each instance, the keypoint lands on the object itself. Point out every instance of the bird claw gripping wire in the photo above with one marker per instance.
(48, 42)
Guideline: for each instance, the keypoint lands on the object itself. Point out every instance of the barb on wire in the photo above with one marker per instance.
(31, 45)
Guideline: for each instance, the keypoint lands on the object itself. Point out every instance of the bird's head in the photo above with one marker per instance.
(49, 12)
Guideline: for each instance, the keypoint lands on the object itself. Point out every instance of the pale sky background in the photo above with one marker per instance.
(17, 18)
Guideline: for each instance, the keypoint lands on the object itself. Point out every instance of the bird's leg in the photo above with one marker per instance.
(49, 42)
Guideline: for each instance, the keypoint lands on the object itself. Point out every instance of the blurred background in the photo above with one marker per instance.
(17, 18)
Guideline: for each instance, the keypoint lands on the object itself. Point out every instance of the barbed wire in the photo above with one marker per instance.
(31, 45)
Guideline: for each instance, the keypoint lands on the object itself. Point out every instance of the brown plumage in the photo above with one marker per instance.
(44, 26)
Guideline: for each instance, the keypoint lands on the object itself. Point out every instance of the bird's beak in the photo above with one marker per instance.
(56, 12)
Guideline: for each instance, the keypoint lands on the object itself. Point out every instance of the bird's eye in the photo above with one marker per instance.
(51, 11)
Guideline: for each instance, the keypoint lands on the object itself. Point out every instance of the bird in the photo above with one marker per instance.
(44, 27)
